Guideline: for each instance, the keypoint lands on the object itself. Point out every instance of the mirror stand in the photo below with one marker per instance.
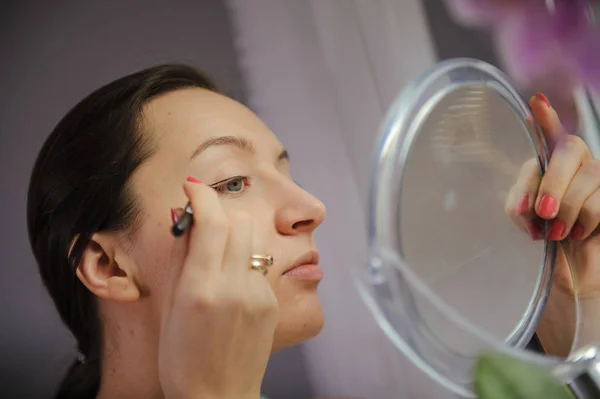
(450, 149)
(586, 385)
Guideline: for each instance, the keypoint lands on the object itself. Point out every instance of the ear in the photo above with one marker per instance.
(107, 270)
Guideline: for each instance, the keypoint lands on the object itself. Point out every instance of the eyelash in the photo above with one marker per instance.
(221, 186)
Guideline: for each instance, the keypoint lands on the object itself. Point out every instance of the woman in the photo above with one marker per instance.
(158, 316)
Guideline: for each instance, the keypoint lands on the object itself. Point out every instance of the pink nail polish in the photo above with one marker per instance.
(547, 206)
(174, 215)
(543, 98)
(192, 179)
(533, 230)
(556, 230)
(523, 205)
(577, 231)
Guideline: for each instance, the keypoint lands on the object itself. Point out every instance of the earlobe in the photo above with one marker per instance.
(107, 270)
(123, 289)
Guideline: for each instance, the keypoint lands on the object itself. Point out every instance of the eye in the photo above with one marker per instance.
(235, 185)
(232, 185)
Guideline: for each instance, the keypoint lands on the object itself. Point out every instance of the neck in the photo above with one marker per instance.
(130, 358)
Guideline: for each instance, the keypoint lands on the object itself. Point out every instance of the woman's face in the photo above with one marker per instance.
(211, 137)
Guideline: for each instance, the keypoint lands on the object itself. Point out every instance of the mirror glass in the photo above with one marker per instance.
(453, 230)
(450, 273)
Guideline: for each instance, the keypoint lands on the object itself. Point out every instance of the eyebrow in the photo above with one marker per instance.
(239, 142)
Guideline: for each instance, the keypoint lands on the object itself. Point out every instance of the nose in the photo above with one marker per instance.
(298, 211)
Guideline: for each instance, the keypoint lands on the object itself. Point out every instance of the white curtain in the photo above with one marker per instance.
(321, 74)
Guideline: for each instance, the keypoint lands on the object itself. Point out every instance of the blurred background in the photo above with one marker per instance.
(320, 73)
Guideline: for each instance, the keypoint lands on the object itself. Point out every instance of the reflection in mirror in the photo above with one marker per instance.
(454, 232)
(452, 272)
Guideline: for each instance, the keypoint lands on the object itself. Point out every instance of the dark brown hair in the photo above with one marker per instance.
(79, 186)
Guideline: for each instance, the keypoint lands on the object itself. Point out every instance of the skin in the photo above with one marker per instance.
(152, 282)
(568, 196)
(188, 318)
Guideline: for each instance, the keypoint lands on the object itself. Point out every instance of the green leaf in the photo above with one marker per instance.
(504, 377)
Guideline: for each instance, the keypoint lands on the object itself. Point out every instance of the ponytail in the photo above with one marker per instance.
(81, 382)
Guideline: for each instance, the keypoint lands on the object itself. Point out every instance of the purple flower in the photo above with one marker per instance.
(549, 44)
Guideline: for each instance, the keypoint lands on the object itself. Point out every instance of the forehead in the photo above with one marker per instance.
(182, 119)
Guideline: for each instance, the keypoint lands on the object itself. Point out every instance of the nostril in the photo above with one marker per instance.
(302, 223)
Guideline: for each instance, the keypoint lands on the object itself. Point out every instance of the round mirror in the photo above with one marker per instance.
(450, 274)
(453, 231)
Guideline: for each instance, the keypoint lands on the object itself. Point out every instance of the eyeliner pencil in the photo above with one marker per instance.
(183, 222)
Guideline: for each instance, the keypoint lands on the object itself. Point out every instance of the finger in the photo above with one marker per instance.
(530, 122)
(548, 119)
(531, 225)
(259, 245)
(208, 234)
(525, 222)
(522, 195)
(589, 218)
(262, 290)
(569, 153)
(585, 183)
(521, 199)
(239, 244)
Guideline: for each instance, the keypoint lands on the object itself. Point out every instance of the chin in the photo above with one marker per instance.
(298, 324)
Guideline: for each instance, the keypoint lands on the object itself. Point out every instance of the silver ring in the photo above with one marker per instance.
(261, 263)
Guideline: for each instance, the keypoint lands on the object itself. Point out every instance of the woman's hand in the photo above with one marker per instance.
(568, 195)
(217, 330)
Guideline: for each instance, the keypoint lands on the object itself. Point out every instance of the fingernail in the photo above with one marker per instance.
(192, 179)
(174, 215)
(543, 98)
(533, 230)
(523, 205)
(577, 231)
(557, 229)
(547, 206)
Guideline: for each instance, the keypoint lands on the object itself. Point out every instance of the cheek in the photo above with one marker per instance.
(153, 254)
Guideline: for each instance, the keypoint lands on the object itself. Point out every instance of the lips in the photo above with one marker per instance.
(306, 267)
